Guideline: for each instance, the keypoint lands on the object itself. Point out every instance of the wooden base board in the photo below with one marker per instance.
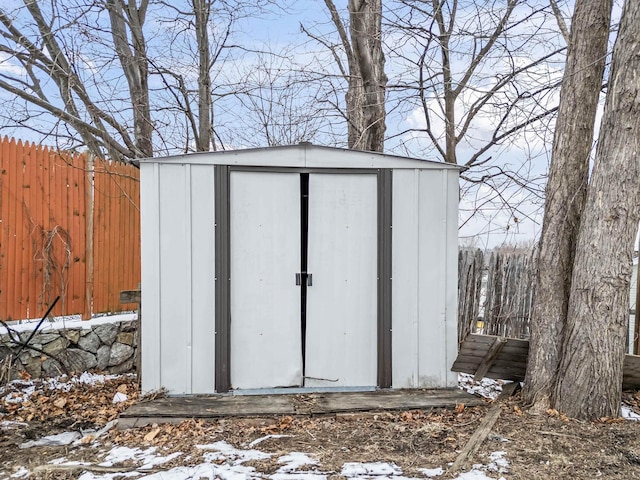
(177, 409)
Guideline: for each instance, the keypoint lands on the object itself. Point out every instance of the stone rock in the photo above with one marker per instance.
(107, 332)
(90, 343)
(51, 368)
(43, 338)
(55, 347)
(4, 352)
(33, 366)
(73, 335)
(131, 326)
(77, 360)
(119, 353)
(31, 351)
(126, 337)
(103, 357)
(125, 367)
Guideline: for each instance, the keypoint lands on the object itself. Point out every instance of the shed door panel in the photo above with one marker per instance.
(341, 328)
(265, 331)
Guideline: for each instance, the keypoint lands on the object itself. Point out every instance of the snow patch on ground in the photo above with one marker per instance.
(431, 472)
(487, 387)
(266, 437)
(224, 451)
(61, 439)
(627, 413)
(375, 469)
(294, 460)
(19, 391)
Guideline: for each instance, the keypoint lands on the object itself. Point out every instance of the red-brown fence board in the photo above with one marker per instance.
(44, 208)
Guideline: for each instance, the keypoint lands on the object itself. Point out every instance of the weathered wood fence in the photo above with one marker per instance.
(495, 292)
(69, 226)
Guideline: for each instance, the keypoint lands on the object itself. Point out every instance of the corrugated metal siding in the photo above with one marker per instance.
(425, 232)
(177, 279)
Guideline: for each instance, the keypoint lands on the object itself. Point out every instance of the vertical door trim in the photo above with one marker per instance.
(385, 224)
(222, 272)
(222, 279)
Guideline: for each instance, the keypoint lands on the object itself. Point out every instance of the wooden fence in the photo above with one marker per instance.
(69, 226)
(495, 293)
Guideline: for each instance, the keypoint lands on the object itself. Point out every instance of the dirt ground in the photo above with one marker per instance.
(547, 446)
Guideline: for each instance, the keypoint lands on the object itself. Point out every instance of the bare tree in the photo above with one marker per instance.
(46, 53)
(475, 84)
(565, 195)
(589, 380)
(167, 102)
(361, 45)
(133, 58)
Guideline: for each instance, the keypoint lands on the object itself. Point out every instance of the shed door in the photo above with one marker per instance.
(266, 348)
(341, 321)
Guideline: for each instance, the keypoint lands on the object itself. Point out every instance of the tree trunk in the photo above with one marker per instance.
(565, 195)
(366, 96)
(202, 10)
(135, 66)
(590, 374)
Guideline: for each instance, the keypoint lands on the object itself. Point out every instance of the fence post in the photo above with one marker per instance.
(90, 199)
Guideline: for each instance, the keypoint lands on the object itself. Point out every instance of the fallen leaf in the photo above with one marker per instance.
(459, 408)
(60, 402)
(151, 435)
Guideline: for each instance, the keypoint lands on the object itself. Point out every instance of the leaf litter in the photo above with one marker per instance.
(371, 445)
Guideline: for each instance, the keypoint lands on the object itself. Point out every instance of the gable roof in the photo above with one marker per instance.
(303, 155)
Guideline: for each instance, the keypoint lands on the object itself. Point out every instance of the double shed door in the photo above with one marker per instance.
(279, 338)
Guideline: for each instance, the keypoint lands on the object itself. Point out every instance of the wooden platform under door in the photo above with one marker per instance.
(176, 409)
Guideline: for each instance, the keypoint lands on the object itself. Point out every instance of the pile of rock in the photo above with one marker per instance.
(107, 347)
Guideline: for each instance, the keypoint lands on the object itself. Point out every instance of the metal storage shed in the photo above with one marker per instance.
(298, 266)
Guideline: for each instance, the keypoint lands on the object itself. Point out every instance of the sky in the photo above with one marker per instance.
(271, 45)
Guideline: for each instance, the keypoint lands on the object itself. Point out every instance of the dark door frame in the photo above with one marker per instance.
(222, 289)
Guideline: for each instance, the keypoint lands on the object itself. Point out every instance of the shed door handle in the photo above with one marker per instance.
(307, 276)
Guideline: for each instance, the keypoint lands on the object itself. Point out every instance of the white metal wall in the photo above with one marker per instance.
(425, 253)
(178, 337)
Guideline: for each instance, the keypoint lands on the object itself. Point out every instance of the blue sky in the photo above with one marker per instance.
(485, 220)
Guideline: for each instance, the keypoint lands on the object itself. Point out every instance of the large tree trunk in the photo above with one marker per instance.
(565, 194)
(590, 374)
(367, 109)
(365, 98)
(135, 66)
(202, 10)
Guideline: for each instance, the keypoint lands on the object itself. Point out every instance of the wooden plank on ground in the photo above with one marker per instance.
(510, 363)
(174, 409)
(489, 358)
(389, 400)
(482, 432)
